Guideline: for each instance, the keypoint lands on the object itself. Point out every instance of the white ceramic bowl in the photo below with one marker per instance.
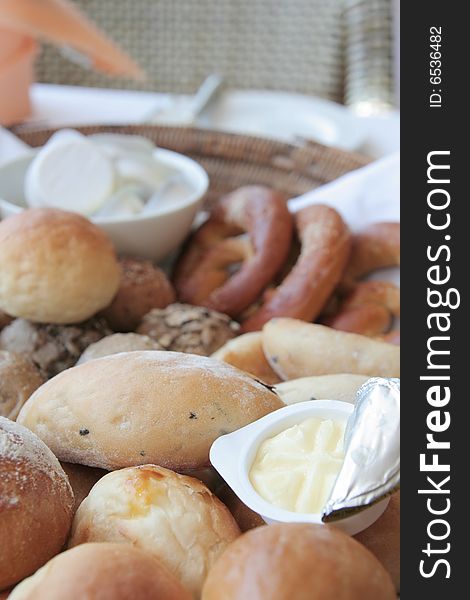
(232, 455)
(151, 236)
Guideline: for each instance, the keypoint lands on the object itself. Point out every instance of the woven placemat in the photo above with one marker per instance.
(233, 160)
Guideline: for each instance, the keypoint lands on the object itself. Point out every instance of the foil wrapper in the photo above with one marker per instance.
(371, 467)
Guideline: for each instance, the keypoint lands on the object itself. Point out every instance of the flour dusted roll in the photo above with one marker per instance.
(36, 503)
(102, 572)
(297, 561)
(56, 267)
(173, 517)
(135, 408)
(298, 349)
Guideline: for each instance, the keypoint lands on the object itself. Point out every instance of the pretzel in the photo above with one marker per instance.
(250, 228)
(367, 308)
(325, 245)
(376, 247)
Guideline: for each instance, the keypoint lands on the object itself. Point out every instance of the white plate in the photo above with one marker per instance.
(285, 116)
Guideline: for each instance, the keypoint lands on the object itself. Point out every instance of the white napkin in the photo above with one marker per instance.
(364, 196)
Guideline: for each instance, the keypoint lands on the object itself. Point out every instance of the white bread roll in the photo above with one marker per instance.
(36, 503)
(297, 349)
(321, 387)
(133, 408)
(102, 572)
(56, 267)
(115, 343)
(297, 561)
(174, 517)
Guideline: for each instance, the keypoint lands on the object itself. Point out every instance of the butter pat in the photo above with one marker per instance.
(296, 469)
(71, 173)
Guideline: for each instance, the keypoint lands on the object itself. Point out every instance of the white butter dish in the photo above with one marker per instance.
(232, 455)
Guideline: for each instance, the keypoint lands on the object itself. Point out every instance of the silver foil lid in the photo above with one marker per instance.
(371, 467)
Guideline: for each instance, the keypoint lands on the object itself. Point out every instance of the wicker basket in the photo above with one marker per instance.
(291, 45)
(233, 160)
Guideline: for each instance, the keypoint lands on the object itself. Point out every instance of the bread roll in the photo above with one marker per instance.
(297, 561)
(382, 538)
(19, 378)
(298, 349)
(36, 503)
(82, 479)
(118, 342)
(102, 572)
(138, 407)
(56, 267)
(321, 387)
(142, 288)
(174, 517)
(246, 353)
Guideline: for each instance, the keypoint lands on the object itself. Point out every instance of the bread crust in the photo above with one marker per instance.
(245, 352)
(56, 267)
(297, 560)
(36, 503)
(104, 571)
(382, 538)
(138, 407)
(175, 518)
(298, 349)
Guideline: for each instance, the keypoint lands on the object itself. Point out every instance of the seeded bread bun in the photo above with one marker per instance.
(56, 267)
(19, 378)
(173, 517)
(36, 503)
(139, 407)
(102, 572)
(142, 287)
(297, 561)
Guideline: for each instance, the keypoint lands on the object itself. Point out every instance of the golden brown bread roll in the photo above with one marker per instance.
(36, 503)
(118, 342)
(82, 479)
(297, 561)
(382, 538)
(321, 387)
(19, 378)
(142, 287)
(173, 517)
(56, 267)
(102, 572)
(297, 349)
(138, 407)
(246, 353)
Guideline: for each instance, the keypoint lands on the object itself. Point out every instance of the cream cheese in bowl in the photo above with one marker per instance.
(144, 197)
(103, 175)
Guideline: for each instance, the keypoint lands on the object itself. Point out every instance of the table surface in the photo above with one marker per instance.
(59, 106)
